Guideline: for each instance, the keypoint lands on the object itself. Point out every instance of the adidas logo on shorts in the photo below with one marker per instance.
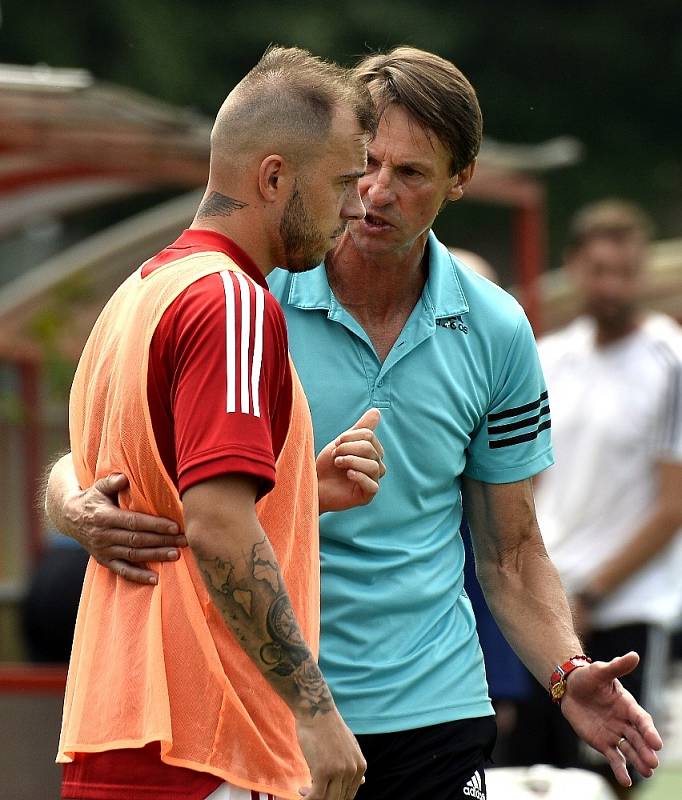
(473, 787)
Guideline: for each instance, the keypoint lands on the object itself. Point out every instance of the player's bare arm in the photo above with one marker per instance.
(526, 597)
(349, 470)
(242, 575)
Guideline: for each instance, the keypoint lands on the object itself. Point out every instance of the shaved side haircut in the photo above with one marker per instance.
(286, 105)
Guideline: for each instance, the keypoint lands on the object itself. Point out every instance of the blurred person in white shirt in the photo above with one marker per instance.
(610, 509)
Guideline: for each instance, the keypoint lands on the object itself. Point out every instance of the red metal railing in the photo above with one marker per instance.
(22, 678)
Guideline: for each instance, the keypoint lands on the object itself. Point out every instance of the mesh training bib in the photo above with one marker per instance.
(157, 663)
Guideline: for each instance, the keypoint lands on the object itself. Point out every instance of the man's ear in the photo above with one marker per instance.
(273, 172)
(460, 181)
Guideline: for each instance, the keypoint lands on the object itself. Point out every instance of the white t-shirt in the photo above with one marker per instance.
(616, 412)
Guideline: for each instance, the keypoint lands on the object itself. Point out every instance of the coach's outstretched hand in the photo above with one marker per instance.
(608, 717)
(349, 468)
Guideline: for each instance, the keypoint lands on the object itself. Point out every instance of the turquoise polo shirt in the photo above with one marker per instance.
(461, 393)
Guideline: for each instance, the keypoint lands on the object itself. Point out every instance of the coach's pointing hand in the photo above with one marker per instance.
(349, 468)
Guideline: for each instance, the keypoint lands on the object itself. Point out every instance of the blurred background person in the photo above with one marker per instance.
(51, 603)
(611, 508)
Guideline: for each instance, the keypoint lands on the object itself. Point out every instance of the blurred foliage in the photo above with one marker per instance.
(11, 408)
(607, 73)
(48, 326)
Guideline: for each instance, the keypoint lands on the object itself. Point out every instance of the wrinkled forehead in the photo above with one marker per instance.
(403, 135)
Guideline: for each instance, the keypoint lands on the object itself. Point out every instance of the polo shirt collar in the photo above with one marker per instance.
(443, 290)
(443, 293)
(193, 238)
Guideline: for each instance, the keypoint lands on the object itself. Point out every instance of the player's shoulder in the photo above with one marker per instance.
(225, 285)
(228, 293)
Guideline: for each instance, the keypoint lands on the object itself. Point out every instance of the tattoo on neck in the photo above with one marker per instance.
(219, 205)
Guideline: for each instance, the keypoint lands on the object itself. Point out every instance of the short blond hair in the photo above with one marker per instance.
(287, 102)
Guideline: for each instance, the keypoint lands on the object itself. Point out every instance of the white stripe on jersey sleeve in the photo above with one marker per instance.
(257, 350)
(230, 324)
(246, 335)
(238, 354)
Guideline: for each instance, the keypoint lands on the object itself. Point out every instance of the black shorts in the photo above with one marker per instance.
(439, 762)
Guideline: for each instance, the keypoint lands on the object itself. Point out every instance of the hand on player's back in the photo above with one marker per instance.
(123, 541)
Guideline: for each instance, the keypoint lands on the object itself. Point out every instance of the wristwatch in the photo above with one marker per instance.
(557, 681)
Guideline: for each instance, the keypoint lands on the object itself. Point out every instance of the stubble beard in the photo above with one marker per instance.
(304, 245)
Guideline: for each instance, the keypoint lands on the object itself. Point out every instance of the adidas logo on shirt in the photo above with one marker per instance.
(455, 323)
(473, 787)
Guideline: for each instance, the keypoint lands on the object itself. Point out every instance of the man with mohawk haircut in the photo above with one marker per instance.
(205, 682)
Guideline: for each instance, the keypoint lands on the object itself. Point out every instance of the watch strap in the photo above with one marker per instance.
(557, 681)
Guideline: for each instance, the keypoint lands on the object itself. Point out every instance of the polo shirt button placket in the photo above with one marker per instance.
(381, 393)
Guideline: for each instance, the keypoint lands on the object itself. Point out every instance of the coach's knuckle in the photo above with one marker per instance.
(96, 539)
(97, 515)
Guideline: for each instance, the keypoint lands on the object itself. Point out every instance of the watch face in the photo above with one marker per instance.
(558, 690)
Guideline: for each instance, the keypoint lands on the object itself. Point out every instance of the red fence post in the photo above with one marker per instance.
(530, 256)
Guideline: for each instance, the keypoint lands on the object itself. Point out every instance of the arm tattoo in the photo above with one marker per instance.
(259, 612)
(219, 205)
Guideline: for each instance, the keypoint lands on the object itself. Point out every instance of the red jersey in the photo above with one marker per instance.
(219, 394)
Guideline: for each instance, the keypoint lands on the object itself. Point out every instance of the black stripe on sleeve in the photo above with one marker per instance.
(524, 437)
(514, 412)
(523, 423)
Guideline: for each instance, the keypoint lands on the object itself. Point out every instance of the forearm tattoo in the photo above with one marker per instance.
(258, 610)
(219, 205)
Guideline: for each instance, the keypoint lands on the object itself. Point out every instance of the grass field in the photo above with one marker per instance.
(665, 786)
